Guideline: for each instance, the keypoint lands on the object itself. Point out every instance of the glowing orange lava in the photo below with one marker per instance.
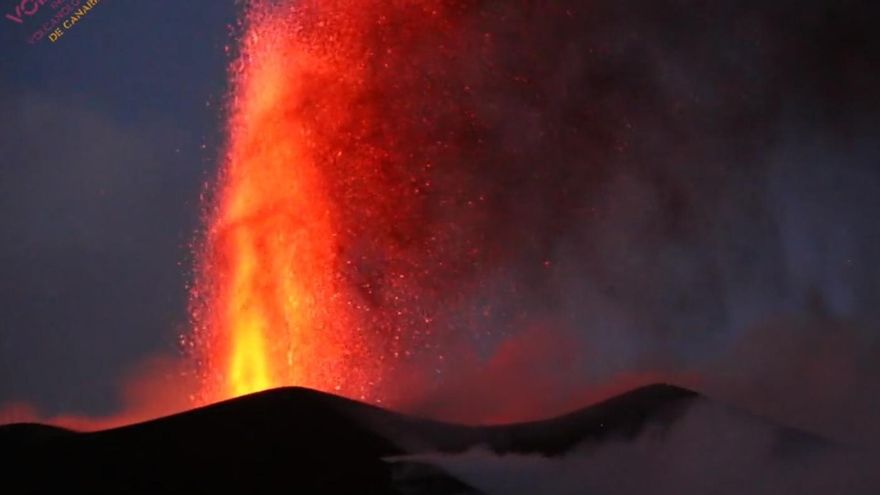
(273, 310)
(319, 265)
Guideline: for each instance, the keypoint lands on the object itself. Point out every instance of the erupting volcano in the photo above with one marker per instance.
(453, 247)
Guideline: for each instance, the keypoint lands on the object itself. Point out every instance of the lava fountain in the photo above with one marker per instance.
(343, 217)
(270, 307)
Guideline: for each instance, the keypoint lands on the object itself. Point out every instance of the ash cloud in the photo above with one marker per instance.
(662, 189)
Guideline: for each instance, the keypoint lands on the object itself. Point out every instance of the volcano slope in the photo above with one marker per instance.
(298, 440)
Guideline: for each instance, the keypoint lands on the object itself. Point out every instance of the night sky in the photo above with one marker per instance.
(686, 189)
(108, 136)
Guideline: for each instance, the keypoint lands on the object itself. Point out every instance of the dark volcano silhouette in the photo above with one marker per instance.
(298, 440)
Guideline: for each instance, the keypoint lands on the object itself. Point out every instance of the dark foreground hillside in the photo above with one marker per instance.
(297, 440)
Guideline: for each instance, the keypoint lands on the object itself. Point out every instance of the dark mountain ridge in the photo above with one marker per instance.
(308, 442)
